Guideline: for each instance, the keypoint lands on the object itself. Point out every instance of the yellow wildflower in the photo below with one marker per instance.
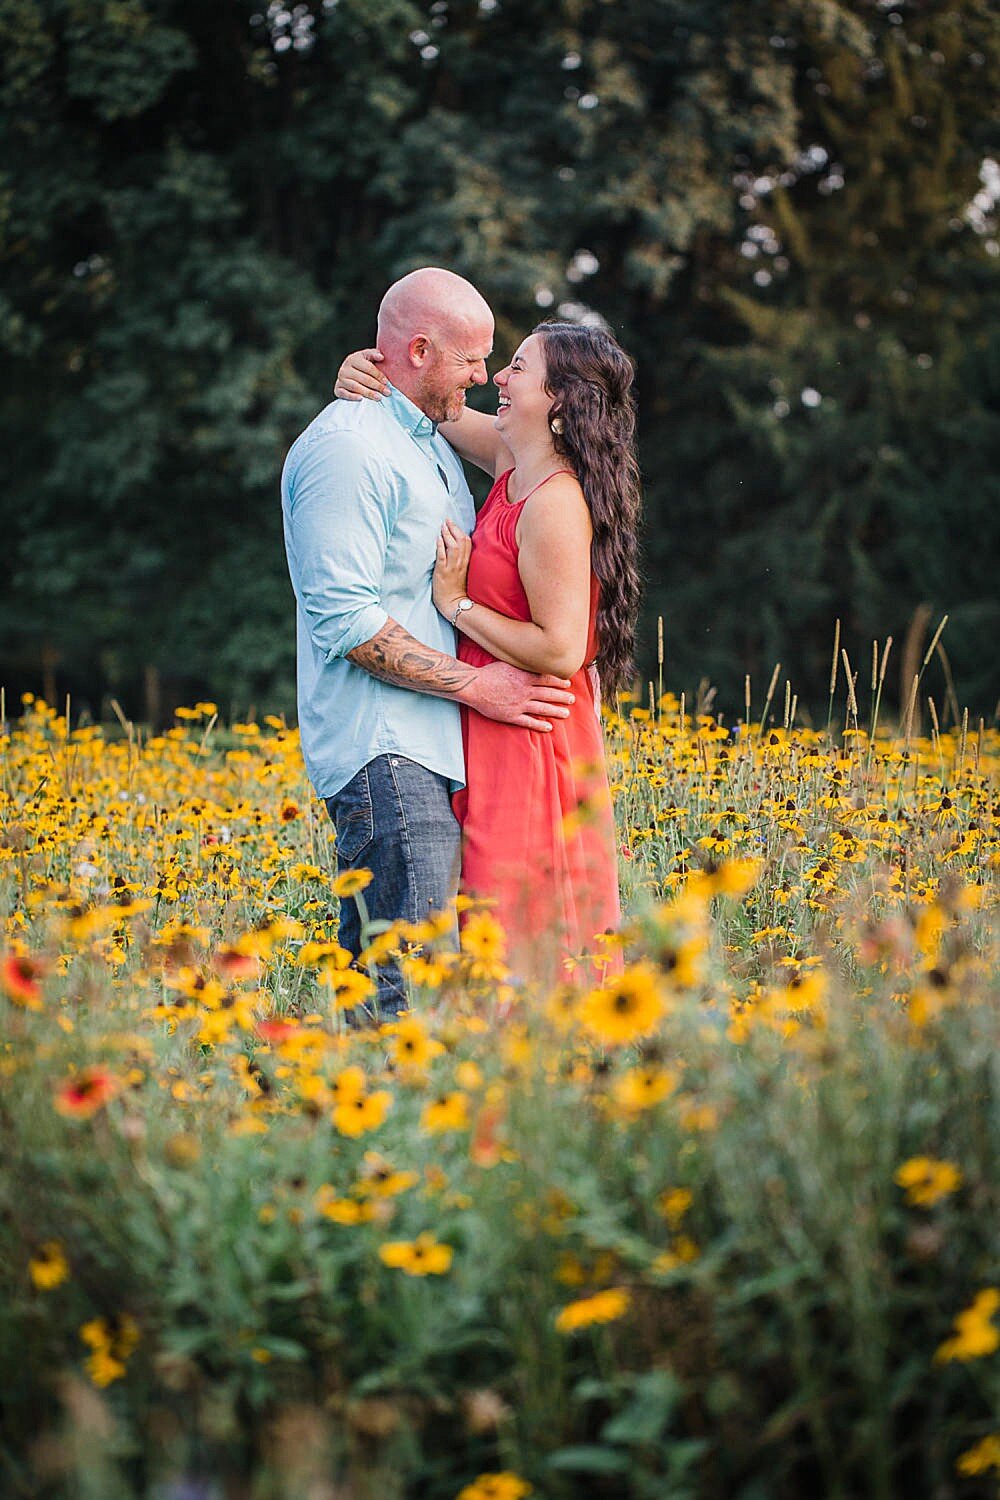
(48, 1267)
(500, 1486)
(446, 1112)
(975, 1332)
(423, 1256)
(642, 1088)
(627, 1008)
(927, 1180)
(362, 1113)
(981, 1458)
(602, 1307)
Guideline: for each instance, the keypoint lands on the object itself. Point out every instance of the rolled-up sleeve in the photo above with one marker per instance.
(339, 514)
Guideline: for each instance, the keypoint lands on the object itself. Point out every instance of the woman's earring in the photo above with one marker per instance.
(556, 426)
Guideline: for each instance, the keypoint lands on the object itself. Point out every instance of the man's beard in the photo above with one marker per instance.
(442, 405)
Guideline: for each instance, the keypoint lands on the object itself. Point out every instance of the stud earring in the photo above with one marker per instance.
(556, 426)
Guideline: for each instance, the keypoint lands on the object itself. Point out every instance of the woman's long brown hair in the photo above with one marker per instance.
(590, 378)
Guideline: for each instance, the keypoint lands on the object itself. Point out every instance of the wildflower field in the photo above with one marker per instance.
(724, 1227)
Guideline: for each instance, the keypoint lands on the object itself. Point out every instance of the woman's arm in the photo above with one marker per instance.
(473, 436)
(554, 564)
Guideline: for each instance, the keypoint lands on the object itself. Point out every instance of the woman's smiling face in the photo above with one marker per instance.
(524, 402)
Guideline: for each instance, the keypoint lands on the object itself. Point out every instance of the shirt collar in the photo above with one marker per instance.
(410, 417)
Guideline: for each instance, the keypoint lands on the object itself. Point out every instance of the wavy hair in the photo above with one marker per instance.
(591, 378)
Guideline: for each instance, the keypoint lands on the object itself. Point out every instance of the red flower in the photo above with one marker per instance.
(232, 964)
(85, 1093)
(486, 1146)
(19, 979)
(275, 1030)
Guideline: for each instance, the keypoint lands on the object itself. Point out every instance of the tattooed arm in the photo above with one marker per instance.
(497, 690)
(339, 510)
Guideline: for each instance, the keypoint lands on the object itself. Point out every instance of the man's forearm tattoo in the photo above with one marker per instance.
(394, 656)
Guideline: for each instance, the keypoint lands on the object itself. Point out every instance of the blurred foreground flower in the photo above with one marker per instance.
(503, 1486)
(20, 978)
(423, 1256)
(87, 1092)
(110, 1343)
(48, 1267)
(975, 1332)
(624, 1010)
(928, 1180)
(603, 1307)
(981, 1458)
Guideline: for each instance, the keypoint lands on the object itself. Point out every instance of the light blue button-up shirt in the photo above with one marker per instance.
(363, 500)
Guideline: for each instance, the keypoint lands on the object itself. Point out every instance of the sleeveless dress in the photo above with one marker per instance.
(538, 830)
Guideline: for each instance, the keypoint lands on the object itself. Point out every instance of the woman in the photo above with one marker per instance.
(548, 582)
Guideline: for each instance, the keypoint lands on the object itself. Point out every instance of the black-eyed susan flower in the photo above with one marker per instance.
(48, 1267)
(484, 944)
(362, 1113)
(505, 1485)
(629, 1007)
(347, 1211)
(976, 1334)
(351, 883)
(981, 1457)
(602, 1307)
(411, 1047)
(640, 1089)
(446, 1112)
(927, 1180)
(111, 1342)
(424, 1256)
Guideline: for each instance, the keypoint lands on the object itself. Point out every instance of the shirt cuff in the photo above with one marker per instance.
(358, 628)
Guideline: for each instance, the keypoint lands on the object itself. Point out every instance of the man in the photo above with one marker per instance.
(365, 490)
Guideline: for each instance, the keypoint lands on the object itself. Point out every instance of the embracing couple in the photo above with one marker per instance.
(449, 665)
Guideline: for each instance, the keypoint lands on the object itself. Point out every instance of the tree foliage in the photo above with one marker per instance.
(779, 206)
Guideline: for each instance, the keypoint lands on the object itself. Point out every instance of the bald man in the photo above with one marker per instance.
(365, 490)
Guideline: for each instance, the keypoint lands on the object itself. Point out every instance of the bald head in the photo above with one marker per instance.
(429, 301)
(435, 332)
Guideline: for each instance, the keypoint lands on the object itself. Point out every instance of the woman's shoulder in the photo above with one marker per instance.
(560, 495)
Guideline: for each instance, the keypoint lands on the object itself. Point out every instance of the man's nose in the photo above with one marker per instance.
(479, 374)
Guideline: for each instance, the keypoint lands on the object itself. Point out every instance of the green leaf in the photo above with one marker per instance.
(588, 1458)
(655, 1397)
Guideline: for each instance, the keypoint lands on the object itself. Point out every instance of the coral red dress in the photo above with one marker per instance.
(538, 830)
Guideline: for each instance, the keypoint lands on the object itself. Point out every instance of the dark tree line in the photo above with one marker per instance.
(785, 208)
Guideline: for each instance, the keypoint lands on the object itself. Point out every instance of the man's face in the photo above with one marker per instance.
(455, 359)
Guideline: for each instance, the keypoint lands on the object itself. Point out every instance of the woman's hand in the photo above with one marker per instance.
(451, 570)
(360, 376)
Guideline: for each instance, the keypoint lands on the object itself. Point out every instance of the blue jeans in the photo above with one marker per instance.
(394, 818)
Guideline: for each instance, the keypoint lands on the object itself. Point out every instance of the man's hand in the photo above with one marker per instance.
(514, 697)
(497, 691)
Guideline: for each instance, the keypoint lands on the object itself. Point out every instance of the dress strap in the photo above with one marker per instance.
(539, 484)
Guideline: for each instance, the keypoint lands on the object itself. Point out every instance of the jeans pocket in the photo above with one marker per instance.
(353, 818)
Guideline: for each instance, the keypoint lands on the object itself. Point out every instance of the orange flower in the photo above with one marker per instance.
(19, 979)
(88, 1091)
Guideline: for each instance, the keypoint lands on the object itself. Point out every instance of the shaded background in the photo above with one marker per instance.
(786, 209)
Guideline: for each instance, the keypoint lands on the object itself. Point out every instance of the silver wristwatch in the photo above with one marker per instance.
(460, 608)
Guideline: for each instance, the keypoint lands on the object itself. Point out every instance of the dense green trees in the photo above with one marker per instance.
(778, 204)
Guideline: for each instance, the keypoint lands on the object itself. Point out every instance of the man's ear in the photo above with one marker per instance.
(419, 349)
